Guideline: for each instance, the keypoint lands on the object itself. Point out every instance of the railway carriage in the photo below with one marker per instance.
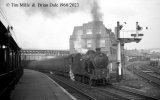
(10, 62)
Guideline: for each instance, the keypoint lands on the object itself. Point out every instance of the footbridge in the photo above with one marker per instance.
(28, 54)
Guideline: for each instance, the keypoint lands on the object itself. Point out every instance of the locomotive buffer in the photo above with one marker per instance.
(120, 46)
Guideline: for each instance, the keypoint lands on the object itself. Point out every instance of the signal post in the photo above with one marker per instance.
(119, 64)
(120, 45)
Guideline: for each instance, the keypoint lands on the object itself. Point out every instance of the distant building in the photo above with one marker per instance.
(93, 35)
(154, 56)
(157, 50)
(135, 55)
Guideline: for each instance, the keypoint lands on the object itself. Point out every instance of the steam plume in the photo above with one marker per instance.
(95, 11)
(91, 6)
(88, 6)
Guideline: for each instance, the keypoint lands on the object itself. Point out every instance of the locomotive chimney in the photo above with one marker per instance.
(98, 49)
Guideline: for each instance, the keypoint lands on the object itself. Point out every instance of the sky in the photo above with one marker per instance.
(50, 27)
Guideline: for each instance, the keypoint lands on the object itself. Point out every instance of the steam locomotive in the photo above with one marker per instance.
(90, 68)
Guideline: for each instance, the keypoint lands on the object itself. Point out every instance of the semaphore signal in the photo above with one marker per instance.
(120, 44)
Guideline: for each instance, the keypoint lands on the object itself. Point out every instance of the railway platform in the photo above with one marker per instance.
(35, 85)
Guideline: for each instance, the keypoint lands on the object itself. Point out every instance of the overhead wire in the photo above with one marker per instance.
(4, 16)
(7, 21)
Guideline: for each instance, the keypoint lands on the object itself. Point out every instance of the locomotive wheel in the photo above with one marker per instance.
(92, 82)
(86, 79)
(79, 78)
(104, 82)
(76, 77)
(83, 79)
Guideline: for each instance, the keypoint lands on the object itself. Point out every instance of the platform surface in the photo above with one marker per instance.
(34, 85)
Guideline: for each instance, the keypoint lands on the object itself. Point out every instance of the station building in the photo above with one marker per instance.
(93, 35)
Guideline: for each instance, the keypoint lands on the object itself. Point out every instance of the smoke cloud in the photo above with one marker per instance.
(79, 44)
(88, 6)
(95, 11)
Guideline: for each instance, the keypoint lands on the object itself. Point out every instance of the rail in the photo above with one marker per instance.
(85, 94)
(151, 79)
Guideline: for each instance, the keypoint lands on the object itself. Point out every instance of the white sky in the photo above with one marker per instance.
(51, 28)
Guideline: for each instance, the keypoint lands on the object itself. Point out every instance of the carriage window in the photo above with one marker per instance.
(3, 46)
(1, 58)
(11, 59)
(5, 56)
(4, 52)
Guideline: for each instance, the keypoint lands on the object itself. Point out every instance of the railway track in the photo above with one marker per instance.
(155, 69)
(152, 72)
(155, 74)
(148, 77)
(76, 92)
(127, 94)
(86, 92)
